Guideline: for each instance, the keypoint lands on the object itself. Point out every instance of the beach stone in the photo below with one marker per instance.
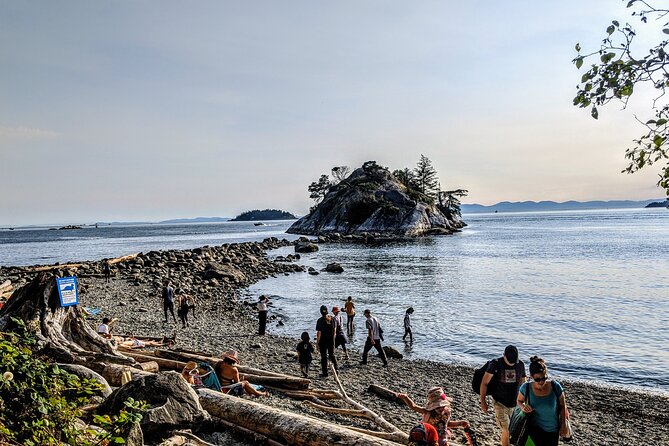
(334, 268)
(314, 272)
(173, 403)
(305, 247)
(392, 352)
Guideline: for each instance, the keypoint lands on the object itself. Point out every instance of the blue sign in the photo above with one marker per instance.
(68, 291)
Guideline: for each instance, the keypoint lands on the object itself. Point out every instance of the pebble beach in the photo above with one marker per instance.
(225, 319)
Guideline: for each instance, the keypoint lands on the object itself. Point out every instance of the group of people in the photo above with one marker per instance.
(224, 376)
(184, 301)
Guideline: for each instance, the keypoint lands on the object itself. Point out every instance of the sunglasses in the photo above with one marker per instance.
(540, 380)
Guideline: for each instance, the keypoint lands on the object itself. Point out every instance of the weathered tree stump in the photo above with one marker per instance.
(61, 332)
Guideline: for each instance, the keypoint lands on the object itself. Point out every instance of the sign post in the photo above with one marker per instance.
(68, 291)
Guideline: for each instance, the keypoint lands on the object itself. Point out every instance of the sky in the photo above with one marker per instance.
(144, 111)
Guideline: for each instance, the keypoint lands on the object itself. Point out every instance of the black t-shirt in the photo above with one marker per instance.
(326, 325)
(304, 350)
(507, 380)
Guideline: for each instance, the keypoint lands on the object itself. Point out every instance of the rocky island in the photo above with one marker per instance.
(265, 214)
(372, 200)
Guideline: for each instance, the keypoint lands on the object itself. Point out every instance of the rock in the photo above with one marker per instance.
(258, 345)
(219, 271)
(305, 247)
(334, 268)
(314, 273)
(392, 352)
(173, 403)
(84, 372)
(373, 201)
(142, 310)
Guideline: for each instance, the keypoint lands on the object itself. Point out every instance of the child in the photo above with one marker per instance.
(407, 324)
(304, 351)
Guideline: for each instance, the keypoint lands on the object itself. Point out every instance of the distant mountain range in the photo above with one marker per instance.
(536, 206)
(195, 220)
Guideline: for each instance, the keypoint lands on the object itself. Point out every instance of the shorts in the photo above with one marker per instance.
(236, 389)
(503, 415)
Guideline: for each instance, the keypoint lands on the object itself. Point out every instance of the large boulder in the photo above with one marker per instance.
(213, 270)
(173, 403)
(305, 247)
(334, 267)
(373, 201)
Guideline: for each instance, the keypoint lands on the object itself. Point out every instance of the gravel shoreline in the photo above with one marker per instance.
(600, 415)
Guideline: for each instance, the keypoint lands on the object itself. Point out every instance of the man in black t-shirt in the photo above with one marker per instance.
(508, 374)
(325, 338)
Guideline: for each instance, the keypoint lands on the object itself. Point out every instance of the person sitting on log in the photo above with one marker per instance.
(105, 327)
(231, 383)
(437, 412)
(191, 374)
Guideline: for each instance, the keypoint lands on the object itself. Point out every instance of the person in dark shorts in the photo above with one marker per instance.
(407, 324)
(340, 336)
(305, 353)
(508, 373)
(349, 306)
(106, 269)
(325, 337)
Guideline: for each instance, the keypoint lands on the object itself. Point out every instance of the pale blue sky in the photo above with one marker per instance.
(151, 110)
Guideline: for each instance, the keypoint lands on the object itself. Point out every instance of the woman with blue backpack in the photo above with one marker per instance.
(543, 400)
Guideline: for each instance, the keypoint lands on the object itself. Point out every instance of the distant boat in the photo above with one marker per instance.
(259, 224)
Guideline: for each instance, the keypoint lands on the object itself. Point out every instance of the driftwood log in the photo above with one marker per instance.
(256, 376)
(281, 426)
(61, 332)
(384, 393)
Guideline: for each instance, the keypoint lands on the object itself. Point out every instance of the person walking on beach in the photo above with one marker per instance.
(325, 338)
(349, 306)
(262, 314)
(305, 353)
(544, 399)
(184, 307)
(437, 412)
(407, 324)
(168, 300)
(506, 374)
(340, 337)
(106, 269)
(374, 338)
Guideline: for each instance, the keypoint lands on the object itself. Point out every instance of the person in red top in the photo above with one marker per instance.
(431, 436)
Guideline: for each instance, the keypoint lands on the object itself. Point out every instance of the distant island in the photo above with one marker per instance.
(658, 204)
(265, 214)
(534, 206)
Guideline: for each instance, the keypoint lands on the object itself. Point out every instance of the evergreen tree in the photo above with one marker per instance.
(426, 178)
(318, 189)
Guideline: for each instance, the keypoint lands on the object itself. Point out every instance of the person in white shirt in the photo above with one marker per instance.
(105, 327)
(374, 338)
(262, 314)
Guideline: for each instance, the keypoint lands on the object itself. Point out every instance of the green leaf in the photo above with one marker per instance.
(606, 58)
(665, 30)
(610, 29)
(616, 23)
(661, 122)
(594, 113)
(579, 62)
(578, 47)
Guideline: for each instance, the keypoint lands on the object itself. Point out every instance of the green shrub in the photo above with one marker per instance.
(39, 402)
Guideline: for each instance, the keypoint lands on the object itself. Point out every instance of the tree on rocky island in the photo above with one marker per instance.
(425, 177)
(265, 214)
(620, 70)
(372, 200)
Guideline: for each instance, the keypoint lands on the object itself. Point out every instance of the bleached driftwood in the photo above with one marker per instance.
(392, 432)
(184, 438)
(256, 376)
(384, 393)
(279, 425)
(61, 332)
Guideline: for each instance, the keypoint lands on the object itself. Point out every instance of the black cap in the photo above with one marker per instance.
(511, 354)
(324, 310)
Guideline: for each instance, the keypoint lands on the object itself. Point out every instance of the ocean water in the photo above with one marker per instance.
(587, 290)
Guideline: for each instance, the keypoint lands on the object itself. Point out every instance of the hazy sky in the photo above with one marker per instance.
(152, 110)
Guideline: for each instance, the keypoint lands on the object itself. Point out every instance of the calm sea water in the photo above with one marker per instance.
(588, 291)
